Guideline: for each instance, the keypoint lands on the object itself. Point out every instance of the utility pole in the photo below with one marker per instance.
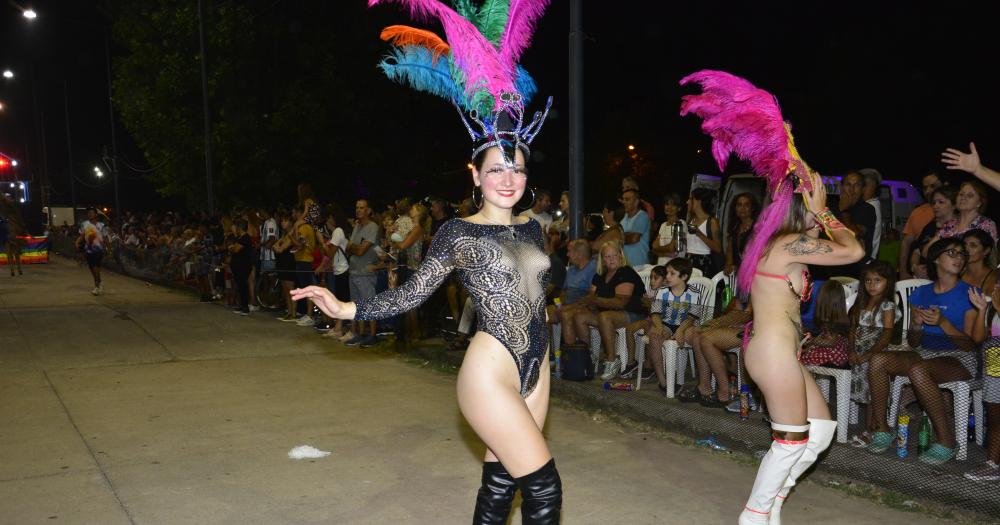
(204, 102)
(111, 121)
(69, 149)
(576, 118)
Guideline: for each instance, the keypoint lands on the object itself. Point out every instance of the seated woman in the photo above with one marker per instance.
(710, 341)
(981, 266)
(615, 300)
(947, 322)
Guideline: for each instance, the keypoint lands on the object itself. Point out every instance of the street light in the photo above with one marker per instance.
(631, 147)
(8, 74)
(30, 14)
(98, 172)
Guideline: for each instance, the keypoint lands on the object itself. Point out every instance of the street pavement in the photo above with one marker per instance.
(146, 406)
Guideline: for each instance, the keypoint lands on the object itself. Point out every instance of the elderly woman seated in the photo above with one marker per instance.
(614, 301)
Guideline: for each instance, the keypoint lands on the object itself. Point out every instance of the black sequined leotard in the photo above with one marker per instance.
(505, 272)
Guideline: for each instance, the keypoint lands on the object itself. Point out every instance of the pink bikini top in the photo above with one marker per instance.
(807, 283)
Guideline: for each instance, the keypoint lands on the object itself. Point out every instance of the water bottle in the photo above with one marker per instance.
(745, 402)
(902, 436)
(732, 383)
(924, 437)
(624, 387)
(679, 234)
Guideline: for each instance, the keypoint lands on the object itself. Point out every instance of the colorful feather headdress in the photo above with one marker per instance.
(476, 68)
(747, 121)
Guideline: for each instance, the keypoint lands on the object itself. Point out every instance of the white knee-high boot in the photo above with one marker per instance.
(773, 472)
(821, 432)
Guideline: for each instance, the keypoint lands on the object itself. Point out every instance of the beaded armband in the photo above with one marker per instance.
(829, 222)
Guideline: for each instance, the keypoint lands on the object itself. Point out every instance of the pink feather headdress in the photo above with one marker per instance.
(746, 120)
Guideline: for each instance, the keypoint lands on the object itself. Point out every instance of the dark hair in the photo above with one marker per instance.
(948, 192)
(339, 217)
(831, 308)
(596, 226)
(936, 250)
(674, 198)
(617, 211)
(988, 243)
(706, 197)
(734, 225)
(659, 271)
(883, 270)
(305, 191)
(508, 148)
(682, 265)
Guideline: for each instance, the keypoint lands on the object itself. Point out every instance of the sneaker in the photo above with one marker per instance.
(254, 308)
(321, 327)
(988, 472)
(368, 341)
(881, 441)
(346, 337)
(95, 291)
(286, 319)
(610, 370)
(305, 320)
(244, 314)
(354, 341)
(629, 371)
(861, 440)
(648, 373)
(937, 454)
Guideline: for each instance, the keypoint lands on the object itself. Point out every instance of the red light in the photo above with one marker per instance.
(3, 162)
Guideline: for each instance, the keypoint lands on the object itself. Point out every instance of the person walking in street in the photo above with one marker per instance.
(93, 235)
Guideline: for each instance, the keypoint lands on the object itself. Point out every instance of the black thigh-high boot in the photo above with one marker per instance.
(495, 495)
(541, 494)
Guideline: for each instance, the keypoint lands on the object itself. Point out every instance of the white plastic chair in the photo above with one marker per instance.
(904, 289)
(850, 284)
(847, 410)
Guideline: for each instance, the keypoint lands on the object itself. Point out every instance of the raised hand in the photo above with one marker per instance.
(816, 197)
(325, 301)
(958, 160)
(978, 299)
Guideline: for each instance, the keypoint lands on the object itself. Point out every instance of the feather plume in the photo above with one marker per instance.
(465, 8)
(470, 51)
(521, 19)
(525, 85)
(744, 120)
(401, 36)
(416, 66)
(747, 121)
(492, 19)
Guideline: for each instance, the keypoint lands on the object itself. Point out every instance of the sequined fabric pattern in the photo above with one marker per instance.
(505, 271)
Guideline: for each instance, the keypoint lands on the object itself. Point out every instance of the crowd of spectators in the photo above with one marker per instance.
(629, 270)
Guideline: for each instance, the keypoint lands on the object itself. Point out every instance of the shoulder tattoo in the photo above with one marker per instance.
(806, 245)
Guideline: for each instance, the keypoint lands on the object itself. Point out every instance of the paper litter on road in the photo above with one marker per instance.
(307, 452)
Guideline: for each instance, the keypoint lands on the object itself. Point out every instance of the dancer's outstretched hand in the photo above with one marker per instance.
(325, 300)
(958, 160)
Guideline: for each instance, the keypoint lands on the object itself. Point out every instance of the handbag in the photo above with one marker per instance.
(575, 363)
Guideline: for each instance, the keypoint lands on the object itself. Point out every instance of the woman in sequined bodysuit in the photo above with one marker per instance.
(503, 385)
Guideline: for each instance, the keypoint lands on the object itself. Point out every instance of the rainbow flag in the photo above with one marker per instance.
(35, 251)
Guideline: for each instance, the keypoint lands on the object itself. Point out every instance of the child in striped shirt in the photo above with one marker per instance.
(672, 314)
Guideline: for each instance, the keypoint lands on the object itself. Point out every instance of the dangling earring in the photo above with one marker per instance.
(479, 204)
(530, 204)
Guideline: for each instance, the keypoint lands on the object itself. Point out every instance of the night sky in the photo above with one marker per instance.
(872, 84)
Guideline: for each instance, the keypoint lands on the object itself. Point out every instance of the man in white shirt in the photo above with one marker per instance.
(539, 211)
(873, 180)
(268, 236)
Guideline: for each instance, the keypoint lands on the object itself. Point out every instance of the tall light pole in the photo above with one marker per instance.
(111, 121)
(69, 148)
(575, 117)
(204, 102)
